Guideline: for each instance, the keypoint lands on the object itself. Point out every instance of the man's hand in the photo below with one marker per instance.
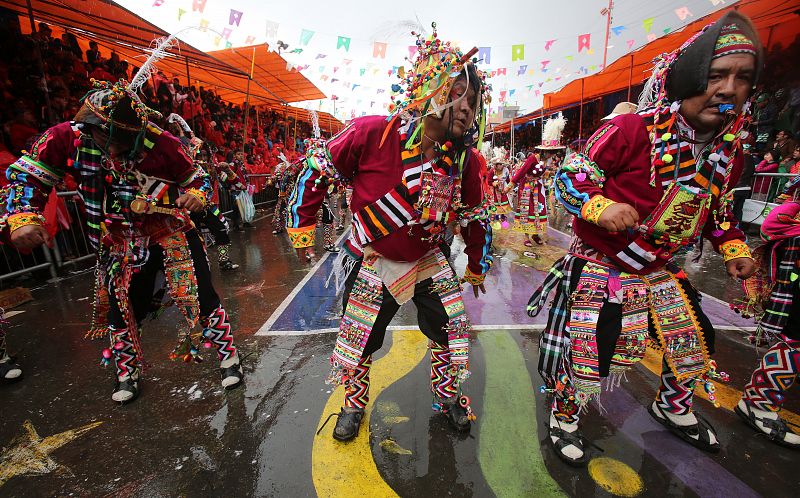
(742, 268)
(508, 188)
(190, 202)
(29, 237)
(476, 289)
(618, 217)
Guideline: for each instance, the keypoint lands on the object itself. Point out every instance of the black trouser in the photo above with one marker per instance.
(211, 222)
(431, 314)
(143, 282)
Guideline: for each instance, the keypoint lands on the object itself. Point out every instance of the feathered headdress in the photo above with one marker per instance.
(425, 88)
(551, 133)
(117, 106)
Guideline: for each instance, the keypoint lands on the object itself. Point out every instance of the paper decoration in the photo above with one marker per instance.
(537, 93)
(198, 5)
(181, 12)
(335, 68)
(249, 40)
(321, 56)
(647, 24)
(544, 65)
(343, 42)
(503, 95)
(412, 51)
(379, 50)
(630, 43)
(324, 77)
(235, 17)
(667, 31)
(362, 71)
(522, 70)
(203, 24)
(334, 80)
(272, 29)
(228, 45)
(569, 57)
(511, 92)
(682, 13)
(501, 71)
(548, 44)
(715, 3)
(347, 62)
(651, 37)
(618, 30)
(217, 39)
(297, 51)
(226, 33)
(485, 54)
(158, 3)
(517, 52)
(305, 36)
(584, 42)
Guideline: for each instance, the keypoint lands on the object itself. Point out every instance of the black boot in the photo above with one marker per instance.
(126, 390)
(231, 376)
(348, 423)
(456, 411)
(10, 371)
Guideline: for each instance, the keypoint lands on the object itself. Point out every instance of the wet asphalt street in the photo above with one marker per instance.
(61, 435)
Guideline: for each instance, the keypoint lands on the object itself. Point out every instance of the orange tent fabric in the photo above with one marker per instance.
(776, 21)
(114, 27)
(269, 70)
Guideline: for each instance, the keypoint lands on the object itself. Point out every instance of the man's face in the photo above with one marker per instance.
(730, 79)
(116, 148)
(462, 113)
(780, 136)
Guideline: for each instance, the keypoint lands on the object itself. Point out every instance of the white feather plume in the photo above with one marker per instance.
(315, 124)
(553, 128)
(172, 118)
(161, 47)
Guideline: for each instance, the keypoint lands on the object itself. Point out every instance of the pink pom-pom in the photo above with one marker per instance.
(107, 353)
(580, 176)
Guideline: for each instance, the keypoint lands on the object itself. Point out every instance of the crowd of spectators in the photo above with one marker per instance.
(31, 103)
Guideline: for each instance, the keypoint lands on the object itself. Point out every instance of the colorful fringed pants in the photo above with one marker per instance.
(217, 331)
(443, 383)
(777, 371)
(674, 396)
(213, 317)
(356, 389)
(441, 318)
(126, 358)
(279, 216)
(223, 253)
(3, 352)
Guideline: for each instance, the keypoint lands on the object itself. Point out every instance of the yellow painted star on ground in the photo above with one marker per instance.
(30, 454)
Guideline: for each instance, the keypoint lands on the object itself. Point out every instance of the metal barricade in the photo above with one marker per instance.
(267, 194)
(767, 186)
(71, 244)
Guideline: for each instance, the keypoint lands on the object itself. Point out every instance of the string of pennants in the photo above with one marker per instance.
(379, 49)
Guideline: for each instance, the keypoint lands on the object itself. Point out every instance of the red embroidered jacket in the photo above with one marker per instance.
(377, 173)
(616, 166)
(54, 154)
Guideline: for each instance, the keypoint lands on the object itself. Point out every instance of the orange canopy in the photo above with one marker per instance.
(269, 70)
(775, 20)
(114, 27)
